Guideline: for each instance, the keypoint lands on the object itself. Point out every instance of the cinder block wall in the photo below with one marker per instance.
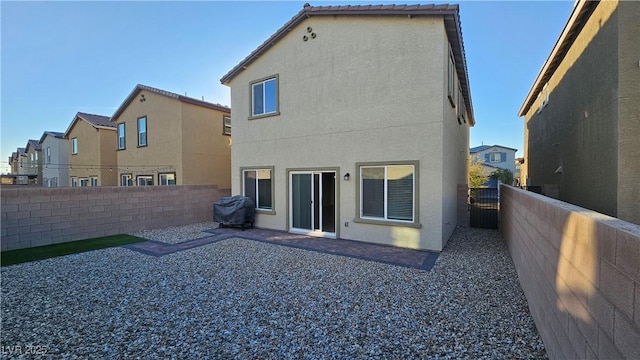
(580, 272)
(42, 216)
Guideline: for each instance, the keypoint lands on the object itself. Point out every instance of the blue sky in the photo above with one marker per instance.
(58, 58)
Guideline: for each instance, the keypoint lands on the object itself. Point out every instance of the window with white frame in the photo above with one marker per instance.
(226, 125)
(387, 192)
(264, 97)
(126, 180)
(74, 145)
(496, 157)
(451, 80)
(48, 154)
(93, 181)
(257, 184)
(144, 180)
(142, 131)
(84, 182)
(74, 181)
(167, 178)
(121, 136)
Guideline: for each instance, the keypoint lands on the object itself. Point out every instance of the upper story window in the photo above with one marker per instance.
(121, 136)
(496, 157)
(48, 155)
(226, 125)
(264, 97)
(142, 131)
(74, 145)
(33, 157)
(451, 80)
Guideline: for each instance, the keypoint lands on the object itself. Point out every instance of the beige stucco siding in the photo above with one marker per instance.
(163, 152)
(94, 148)
(362, 91)
(108, 174)
(206, 152)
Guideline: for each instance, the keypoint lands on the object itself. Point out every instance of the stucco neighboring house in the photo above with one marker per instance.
(91, 146)
(55, 159)
(582, 114)
(20, 163)
(336, 135)
(164, 138)
(494, 157)
(32, 163)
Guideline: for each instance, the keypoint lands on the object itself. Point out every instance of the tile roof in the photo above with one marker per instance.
(35, 144)
(96, 120)
(169, 94)
(55, 134)
(476, 149)
(21, 152)
(581, 12)
(449, 12)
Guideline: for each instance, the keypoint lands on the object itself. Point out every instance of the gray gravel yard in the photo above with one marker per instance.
(246, 299)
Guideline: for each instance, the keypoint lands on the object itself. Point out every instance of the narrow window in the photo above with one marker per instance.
(264, 97)
(126, 180)
(74, 145)
(387, 192)
(93, 181)
(48, 155)
(74, 181)
(451, 84)
(121, 136)
(226, 125)
(257, 184)
(142, 131)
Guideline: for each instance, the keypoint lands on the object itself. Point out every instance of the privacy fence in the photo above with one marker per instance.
(580, 272)
(42, 216)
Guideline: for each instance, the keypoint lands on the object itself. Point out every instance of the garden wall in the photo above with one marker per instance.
(41, 216)
(580, 272)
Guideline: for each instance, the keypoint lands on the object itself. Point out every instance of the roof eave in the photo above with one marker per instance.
(580, 13)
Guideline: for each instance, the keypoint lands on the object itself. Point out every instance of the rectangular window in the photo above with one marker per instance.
(387, 192)
(495, 157)
(74, 181)
(126, 180)
(33, 157)
(167, 179)
(74, 146)
(121, 137)
(264, 97)
(84, 182)
(451, 84)
(257, 184)
(93, 181)
(144, 180)
(226, 125)
(48, 155)
(142, 131)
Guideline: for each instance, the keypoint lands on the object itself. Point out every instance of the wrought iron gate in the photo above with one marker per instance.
(484, 204)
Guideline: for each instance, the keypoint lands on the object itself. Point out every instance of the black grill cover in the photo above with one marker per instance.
(234, 210)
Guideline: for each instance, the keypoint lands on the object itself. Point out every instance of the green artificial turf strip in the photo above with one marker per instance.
(72, 247)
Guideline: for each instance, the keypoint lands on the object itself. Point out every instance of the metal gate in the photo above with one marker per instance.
(484, 204)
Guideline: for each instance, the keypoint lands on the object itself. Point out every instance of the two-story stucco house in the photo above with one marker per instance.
(55, 159)
(353, 122)
(494, 157)
(91, 145)
(582, 114)
(32, 163)
(164, 138)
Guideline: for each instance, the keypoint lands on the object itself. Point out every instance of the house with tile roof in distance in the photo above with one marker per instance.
(91, 146)
(32, 164)
(582, 113)
(164, 138)
(493, 157)
(336, 135)
(55, 159)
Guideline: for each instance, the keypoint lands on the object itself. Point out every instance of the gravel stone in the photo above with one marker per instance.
(245, 299)
(177, 234)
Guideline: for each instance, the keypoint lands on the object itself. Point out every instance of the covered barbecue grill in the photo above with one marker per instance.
(234, 211)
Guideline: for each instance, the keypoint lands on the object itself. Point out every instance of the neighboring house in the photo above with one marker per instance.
(166, 139)
(20, 164)
(494, 157)
(55, 159)
(517, 174)
(33, 168)
(582, 114)
(91, 146)
(336, 135)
